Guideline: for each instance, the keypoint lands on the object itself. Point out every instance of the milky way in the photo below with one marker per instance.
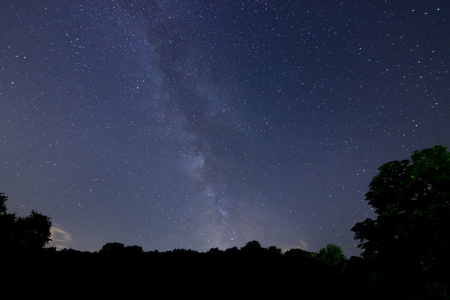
(200, 124)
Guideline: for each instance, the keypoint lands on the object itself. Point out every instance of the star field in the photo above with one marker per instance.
(199, 124)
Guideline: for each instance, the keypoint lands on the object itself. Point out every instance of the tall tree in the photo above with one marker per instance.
(412, 201)
(7, 225)
(18, 234)
(33, 231)
(332, 255)
(3, 200)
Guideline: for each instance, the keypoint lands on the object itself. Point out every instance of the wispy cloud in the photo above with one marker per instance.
(60, 238)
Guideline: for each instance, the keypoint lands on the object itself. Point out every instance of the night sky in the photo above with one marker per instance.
(200, 124)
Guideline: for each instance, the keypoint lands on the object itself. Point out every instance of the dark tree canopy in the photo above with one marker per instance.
(412, 201)
(332, 255)
(3, 199)
(30, 233)
(116, 248)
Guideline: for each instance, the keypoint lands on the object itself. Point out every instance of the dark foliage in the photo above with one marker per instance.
(409, 241)
(22, 234)
(412, 200)
(119, 249)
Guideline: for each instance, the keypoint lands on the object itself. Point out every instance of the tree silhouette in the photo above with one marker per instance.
(412, 201)
(253, 247)
(22, 234)
(119, 249)
(113, 248)
(7, 224)
(3, 199)
(332, 255)
(33, 231)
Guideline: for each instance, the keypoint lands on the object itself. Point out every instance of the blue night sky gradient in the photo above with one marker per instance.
(199, 124)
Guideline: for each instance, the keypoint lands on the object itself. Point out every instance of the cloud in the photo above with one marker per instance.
(60, 238)
(302, 245)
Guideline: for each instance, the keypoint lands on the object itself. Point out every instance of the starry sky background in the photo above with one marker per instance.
(200, 124)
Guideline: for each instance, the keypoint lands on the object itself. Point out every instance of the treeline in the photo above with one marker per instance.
(330, 258)
(253, 270)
